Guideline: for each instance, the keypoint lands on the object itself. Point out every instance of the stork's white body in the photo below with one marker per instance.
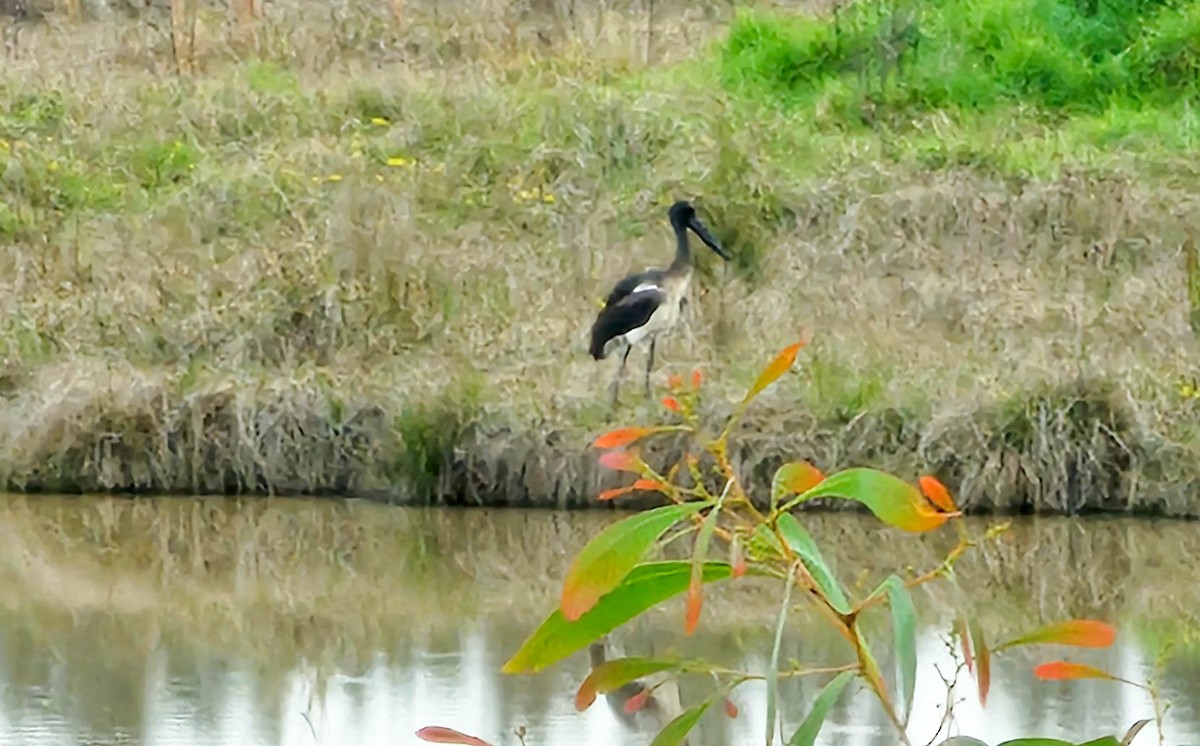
(666, 315)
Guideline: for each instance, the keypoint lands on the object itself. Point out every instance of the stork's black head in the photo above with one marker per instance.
(683, 216)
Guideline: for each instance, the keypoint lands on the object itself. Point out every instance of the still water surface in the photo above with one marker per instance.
(298, 622)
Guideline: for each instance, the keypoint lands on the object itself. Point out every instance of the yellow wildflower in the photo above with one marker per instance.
(52, 166)
(335, 177)
(397, 161)
(380, 121)
(548, 198)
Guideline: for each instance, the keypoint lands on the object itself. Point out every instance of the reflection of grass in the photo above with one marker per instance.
(366, 273)
(311, 577)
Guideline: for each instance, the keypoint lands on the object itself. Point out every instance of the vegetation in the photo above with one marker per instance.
(294, 253)
(612, 580)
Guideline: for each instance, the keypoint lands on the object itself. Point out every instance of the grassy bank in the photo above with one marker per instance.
(352, 253)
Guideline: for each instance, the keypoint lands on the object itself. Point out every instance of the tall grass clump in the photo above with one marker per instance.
(906, 57)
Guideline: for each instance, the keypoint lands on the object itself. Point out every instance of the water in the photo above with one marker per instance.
(307, 622)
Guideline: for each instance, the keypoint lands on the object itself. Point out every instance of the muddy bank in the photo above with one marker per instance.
(1073, 448)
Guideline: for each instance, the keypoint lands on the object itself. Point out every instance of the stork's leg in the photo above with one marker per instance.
(650, 364)
(616, 384)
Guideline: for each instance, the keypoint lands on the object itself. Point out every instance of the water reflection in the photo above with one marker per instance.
(245, 637)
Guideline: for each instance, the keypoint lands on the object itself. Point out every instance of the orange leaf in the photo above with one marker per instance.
(983, 662)
(438, 734)
(780, 365)
(621, 461)
(671, 403)
(730, 708)
(937, 493)
(585, 696)
(615, 492)
(794, 478)
(697, 378)
(650, 485)
(737, 557)
(1084, 633)
(621, 437)
(965, 639)
(637, 701)
(695, 600)
(891, 499)
(1063, 670)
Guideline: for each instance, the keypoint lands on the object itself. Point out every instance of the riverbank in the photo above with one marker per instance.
(317, 266)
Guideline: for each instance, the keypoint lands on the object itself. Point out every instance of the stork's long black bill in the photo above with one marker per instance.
(707, 238)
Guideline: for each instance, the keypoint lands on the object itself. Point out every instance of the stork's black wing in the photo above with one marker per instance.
(627, 314)
(626, 285)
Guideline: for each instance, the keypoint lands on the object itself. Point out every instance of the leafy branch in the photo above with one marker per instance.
(610, 583)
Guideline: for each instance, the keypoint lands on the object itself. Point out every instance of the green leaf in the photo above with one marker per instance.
(806, 734)
(646, 585)
(611, 554)
(801, 542)
(614, 674)
(891, 499)
(904, 625)
(675, 731)
(773, 671)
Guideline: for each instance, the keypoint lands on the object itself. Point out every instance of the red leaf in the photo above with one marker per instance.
(621, 437)
(671, 403)
(621, 461)
(438, 734)
(637, 701)
(697, 378)
(1063, 670)
(695, 600)
(615, 492)
(937, 493)
(731, 709)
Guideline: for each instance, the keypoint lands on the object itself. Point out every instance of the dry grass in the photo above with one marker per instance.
(349, 255)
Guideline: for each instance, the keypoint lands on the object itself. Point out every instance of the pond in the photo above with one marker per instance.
(294, 621)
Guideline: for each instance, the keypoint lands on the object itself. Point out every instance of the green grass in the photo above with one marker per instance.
(351, 257)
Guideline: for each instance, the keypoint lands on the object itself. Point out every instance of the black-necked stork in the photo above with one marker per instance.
(646, 304)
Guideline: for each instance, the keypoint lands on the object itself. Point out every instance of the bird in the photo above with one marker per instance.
(645, 304)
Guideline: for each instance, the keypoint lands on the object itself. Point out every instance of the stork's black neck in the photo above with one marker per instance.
(683, 249)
